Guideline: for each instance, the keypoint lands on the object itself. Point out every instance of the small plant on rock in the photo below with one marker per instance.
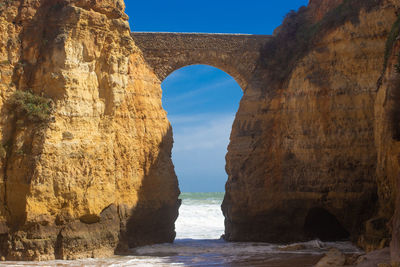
(393, 35)
(3, 152)
(32, 107)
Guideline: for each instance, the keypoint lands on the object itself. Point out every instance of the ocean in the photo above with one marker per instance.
(198, 243)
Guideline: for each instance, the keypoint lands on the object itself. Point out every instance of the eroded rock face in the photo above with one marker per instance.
(95, 178)
(387, 137)
(302, 158)
(308, 158)
(319, 8)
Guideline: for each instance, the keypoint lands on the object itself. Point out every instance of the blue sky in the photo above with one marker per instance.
(201, 101)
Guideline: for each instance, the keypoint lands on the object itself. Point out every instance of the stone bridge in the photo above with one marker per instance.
(236, 54)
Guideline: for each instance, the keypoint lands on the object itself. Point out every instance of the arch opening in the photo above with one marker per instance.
(321, 224)
(201, 102)
(230, 71)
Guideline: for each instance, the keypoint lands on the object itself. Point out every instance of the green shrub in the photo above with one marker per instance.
(394, 33)
(3, 152)
(349, 10)
(4, 62)
(394, 84)
(20, 152)
(291, 43)
(32, 107)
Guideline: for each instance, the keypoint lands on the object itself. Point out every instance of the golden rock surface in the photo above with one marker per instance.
(305, 152)
(98, 176)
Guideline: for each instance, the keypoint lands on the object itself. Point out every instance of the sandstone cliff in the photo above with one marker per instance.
(387, 137)
(85, 164)
(302, 158)
(96, 176)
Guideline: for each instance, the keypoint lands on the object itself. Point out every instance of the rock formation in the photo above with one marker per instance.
(85, 145)
(236, 54)
(302, 159)
(387, 137)
(95, 176)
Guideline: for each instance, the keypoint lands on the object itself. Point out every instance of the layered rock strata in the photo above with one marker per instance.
(387, 137)
(302, 158)
(97, 177)
(314, 153)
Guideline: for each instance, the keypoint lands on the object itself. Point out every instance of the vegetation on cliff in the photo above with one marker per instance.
(394, 83)
(32, 107)
(316, 133)
(3, 152)
(393, 35)
(298, 34)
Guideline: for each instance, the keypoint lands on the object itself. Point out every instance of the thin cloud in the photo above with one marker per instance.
(199, 150)
(200, 140)
(202, 117)
(201, 90)
(209, 133)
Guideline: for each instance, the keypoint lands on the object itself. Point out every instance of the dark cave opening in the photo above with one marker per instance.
(321, 224)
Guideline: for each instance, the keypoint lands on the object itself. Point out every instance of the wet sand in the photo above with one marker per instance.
(301, 260)
(305, 260)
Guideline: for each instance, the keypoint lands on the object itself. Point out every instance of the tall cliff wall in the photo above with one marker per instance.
(85, 163)
(387, 137)
(302, 158)
(96, 176)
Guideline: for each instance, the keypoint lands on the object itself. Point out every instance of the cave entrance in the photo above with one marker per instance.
(321, 224)
(201, 102)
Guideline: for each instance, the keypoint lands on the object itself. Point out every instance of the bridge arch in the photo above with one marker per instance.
(235, 54)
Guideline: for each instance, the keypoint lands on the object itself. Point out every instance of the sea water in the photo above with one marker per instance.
(200, 216)
(198, 243)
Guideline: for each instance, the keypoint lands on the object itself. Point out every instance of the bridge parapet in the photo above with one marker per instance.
(236, 54)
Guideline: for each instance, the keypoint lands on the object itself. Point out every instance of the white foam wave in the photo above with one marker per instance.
(199, 221)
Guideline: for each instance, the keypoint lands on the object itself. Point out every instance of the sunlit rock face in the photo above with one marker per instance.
(302, 158)
(314, 156)
(97, 177)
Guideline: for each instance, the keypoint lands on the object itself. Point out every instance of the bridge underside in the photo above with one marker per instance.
(236, 54)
